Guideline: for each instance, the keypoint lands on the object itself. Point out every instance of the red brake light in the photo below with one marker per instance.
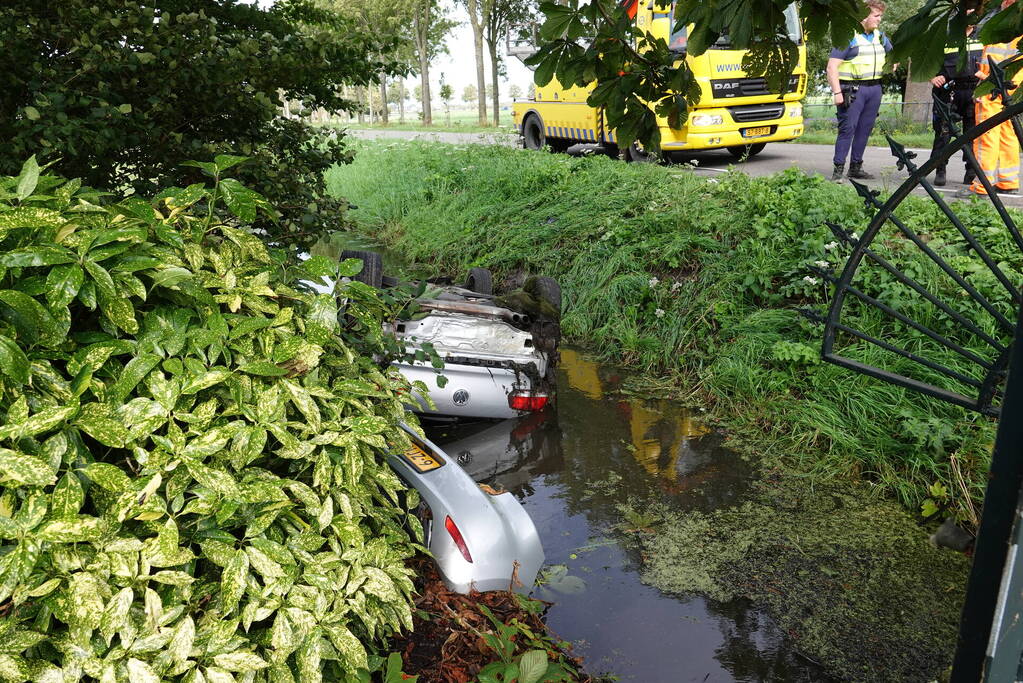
(525, 400)
(456, 536)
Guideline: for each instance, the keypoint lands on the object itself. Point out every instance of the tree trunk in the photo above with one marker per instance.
(496, 102)
(383, 99)
(917, 102)
(401, 100)
(422, 27)
(361, 110)
(477, 41)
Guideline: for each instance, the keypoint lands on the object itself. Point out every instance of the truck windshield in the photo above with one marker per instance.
(679, 39)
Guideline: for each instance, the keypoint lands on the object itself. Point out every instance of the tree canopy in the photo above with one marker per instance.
(123, 92)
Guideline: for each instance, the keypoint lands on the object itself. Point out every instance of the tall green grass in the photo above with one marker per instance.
(702, 280)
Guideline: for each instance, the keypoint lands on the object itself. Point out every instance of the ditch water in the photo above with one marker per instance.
(571, 467)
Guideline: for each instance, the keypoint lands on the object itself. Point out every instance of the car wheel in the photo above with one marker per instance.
(743, 152)
(480, 281)
(533, 136)
(372, 272)
(546, 289)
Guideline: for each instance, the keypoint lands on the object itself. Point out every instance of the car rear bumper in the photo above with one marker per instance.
(472, 391)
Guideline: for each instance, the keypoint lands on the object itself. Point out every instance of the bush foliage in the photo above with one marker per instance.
(190, 480)
(702, 281)
(123, 92)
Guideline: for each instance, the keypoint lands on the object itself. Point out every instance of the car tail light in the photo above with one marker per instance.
(456, 536)
(526, 400)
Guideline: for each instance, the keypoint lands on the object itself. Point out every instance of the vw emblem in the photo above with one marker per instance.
(460, 397)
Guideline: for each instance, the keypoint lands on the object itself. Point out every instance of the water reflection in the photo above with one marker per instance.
(554, 462)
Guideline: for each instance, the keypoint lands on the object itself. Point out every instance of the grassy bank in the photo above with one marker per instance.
(699, 282)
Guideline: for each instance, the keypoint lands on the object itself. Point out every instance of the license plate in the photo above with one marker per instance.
(421, 460)
(756, 132)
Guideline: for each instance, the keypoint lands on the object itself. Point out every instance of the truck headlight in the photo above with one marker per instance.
(796, 111)
(707, 120)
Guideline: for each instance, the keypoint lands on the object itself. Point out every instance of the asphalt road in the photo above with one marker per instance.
(775, 157)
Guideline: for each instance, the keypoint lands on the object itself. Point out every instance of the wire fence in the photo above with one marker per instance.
(893, 117)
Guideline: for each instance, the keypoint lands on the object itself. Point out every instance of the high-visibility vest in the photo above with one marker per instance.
(999, 52)
(868, 64)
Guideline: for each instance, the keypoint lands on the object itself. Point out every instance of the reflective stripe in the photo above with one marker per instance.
(868, 63)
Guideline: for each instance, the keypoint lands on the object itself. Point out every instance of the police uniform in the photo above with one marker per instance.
(860, 77)
(997, 150)
(957, 93)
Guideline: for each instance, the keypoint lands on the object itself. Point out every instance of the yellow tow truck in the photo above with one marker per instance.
(735, 112)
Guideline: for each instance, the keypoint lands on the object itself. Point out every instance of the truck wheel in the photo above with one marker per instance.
(743, 152)
(480, 281)
(372, 272)
(635, 154)
(546, 289)
(533, 136)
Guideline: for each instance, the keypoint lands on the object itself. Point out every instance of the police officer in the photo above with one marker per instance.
(854, 74)
(954, 87)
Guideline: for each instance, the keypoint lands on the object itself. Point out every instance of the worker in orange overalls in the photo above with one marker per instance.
(997, 150)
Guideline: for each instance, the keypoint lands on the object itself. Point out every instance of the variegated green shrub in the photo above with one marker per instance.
(191, 485)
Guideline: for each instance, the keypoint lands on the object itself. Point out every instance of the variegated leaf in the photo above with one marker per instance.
(351, 649)
(240, 661)
(180, 646)
(141, 672)
(232, 582)
(115, 613)
(84, 528)
(28, 470)
(101, 423)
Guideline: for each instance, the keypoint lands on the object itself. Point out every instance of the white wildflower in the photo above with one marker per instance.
(694, 162)
(659, 312)
(831, 245)
(811, 280)
(822, 264)
(675, 286)
(855, 236)
(652, 282)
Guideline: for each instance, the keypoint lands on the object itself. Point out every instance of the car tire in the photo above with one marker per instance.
(480, 280)
(743, 152)
(372, 272)
(533, 136)
(546, 289)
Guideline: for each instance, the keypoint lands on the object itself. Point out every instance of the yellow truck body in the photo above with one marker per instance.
(735, 111)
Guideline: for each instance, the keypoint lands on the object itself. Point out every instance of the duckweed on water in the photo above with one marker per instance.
(848, 576)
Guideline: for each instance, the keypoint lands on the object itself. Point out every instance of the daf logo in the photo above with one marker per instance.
(460, 397)
(727, 85)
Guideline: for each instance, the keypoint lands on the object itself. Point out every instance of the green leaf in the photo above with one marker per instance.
(180, 646)
(239, 199)
(351, 649)
(14, 668)
(13, 361)
(232, 582)
(28, 178)
(240, 661)
(134, 372)
(170, 277)
(32, 319)
(532, 666)
(67, 497)
(226, 161)
(140, 672)
(124, 108)
(18, 468)
(29, 257)
(263, 368)
(83, 528)
(30, 217)
(107, 476)
(31, 113)
(100, 422)
(197, 383)
(63, 283)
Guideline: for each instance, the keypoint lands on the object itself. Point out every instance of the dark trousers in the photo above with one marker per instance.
(855, 122)
(961, 103)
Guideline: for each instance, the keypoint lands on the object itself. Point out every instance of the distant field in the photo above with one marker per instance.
(455, 122)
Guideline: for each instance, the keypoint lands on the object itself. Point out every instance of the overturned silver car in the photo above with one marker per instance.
(498, 351)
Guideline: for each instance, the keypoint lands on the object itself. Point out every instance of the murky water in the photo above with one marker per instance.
(571, 467)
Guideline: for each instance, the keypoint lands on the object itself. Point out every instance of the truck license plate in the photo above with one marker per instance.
(756, 132)
(421, 460)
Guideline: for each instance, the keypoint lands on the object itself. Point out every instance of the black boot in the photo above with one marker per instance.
(969, 177)
(939, 177)
(856, 171)
(839, 172)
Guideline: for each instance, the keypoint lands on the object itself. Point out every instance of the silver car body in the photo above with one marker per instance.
(486, 358)
(501, 538)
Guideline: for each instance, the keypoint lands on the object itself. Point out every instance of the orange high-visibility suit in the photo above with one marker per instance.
(998, 149)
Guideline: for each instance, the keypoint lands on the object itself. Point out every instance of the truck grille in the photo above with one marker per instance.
(756, 112)
(748, 87)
